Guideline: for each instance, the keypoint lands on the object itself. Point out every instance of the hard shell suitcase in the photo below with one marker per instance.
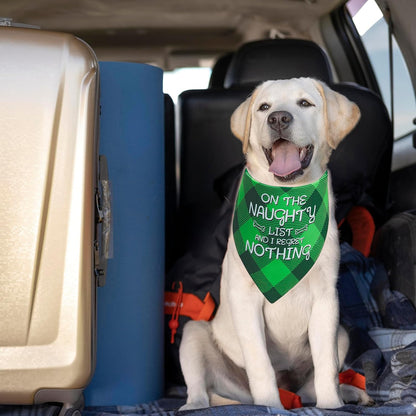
(48, 159)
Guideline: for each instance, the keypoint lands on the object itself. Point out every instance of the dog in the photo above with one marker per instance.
(254, 345)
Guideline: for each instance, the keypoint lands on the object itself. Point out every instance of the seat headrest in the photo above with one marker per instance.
(360, 165)
(219, 71)
(263, 60)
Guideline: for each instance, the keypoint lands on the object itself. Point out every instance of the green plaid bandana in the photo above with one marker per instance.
(279, 231)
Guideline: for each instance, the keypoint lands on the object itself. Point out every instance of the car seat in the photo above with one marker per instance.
(208, 150)
(170, 178)
(262, 60)
(219, 71)
(361, 164)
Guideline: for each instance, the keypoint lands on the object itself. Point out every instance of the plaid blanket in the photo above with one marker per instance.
(382, 328)
(160, 408)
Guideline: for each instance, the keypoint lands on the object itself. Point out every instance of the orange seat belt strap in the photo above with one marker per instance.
(352, 378)
(190, 305)
(363, 228)
(186, 304)
(289, 400)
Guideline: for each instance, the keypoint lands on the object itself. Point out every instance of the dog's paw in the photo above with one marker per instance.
(270, 402)
(275, 405)
(365, 399)
(352, 394)
(264, 391)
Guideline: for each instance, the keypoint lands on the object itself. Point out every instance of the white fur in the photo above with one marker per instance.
(251, 345)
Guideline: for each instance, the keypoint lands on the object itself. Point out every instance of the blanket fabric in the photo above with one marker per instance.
(382, 328)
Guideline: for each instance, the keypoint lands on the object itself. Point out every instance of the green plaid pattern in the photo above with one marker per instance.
(279, 231)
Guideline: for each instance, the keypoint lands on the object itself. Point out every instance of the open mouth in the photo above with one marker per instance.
(288, 161)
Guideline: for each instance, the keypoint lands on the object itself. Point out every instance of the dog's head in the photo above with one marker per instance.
(289, 128)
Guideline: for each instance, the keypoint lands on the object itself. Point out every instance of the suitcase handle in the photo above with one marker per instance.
(104, 229)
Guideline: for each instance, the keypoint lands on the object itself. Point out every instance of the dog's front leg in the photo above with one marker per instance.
(323, 333)
(249, 324)
(246, 306)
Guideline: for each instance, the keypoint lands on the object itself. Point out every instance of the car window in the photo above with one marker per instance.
(179, 80)
(373, 30)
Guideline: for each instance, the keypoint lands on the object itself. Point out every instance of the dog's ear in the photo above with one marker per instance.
(241, 120)
(341, 114)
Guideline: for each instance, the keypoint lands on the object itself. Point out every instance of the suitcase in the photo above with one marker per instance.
(130, 366)
(48, 124)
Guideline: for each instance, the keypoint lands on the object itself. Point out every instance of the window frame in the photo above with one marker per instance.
(354, 49)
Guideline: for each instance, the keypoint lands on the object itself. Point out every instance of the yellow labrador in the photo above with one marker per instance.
(253, 346)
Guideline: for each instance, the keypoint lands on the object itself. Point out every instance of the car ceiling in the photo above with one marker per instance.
(169, 33)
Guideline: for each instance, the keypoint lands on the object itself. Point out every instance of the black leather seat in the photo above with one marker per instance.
(170, 179)
(277, 59)
(361, 164)
(208, 148)
(219, 71)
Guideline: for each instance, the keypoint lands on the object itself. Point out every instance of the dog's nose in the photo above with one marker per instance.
(279, 119)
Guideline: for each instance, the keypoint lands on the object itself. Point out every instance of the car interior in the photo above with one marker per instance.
(363, 49)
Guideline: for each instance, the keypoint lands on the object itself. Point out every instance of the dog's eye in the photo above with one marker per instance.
(264, 107)
(304, 103)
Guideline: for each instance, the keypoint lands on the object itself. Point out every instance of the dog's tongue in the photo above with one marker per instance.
(285, 158)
